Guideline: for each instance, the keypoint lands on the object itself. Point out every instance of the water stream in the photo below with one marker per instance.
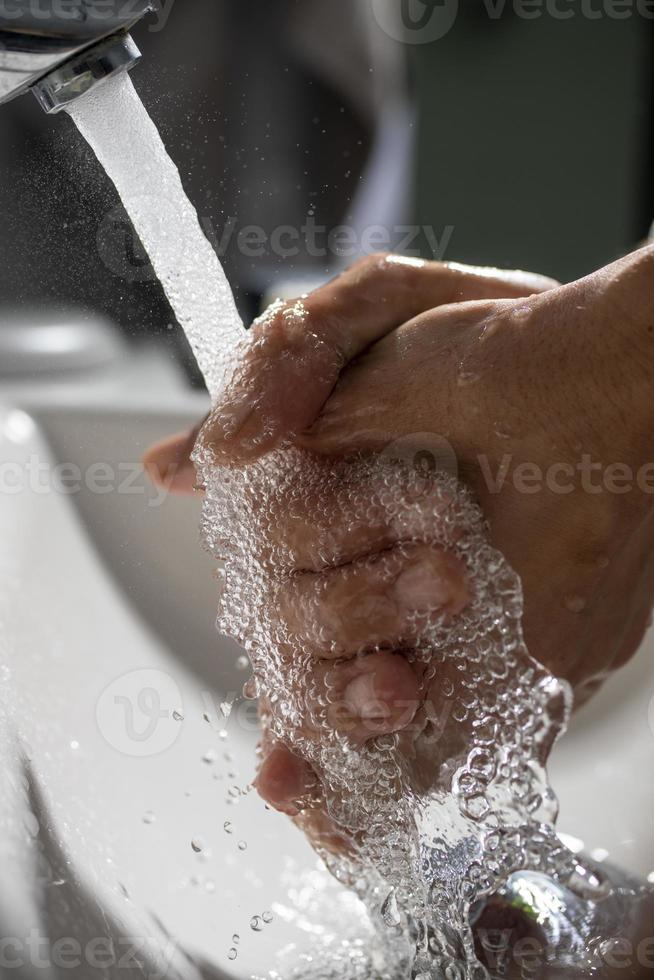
(425, 852)
(114, 122)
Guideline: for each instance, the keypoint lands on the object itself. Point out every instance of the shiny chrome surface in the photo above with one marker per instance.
(38, 36)
(79, 74)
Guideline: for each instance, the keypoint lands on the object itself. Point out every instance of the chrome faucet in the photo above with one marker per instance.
(60, 49)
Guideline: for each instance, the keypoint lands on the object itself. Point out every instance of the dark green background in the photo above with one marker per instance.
(535, 139)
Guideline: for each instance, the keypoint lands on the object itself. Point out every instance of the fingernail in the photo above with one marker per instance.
(361, 698)
(284, 780)
(420, 588)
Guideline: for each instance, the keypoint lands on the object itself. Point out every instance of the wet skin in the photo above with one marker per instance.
(555, 378)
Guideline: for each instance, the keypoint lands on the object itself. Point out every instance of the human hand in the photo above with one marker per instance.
(545, 380)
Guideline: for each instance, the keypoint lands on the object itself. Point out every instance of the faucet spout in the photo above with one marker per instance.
(62, 48)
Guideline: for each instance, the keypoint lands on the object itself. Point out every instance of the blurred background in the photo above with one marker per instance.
(508, 140)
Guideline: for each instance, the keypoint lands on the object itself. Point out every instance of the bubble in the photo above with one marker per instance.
(575, 603)
(178, 715)
(466, 378)
(149, 817)
(256, 923)
(267, 917)
(228, 827)
(502, 431)
(242, 845)
(197, 845)
(233, 953)
(250, 690)
(494, 712)
(589, 884)
(389, 910)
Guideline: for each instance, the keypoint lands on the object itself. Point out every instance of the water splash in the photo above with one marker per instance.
(437, 819)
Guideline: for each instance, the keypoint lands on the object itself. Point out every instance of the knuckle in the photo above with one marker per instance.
(370, 267)
(271, 323)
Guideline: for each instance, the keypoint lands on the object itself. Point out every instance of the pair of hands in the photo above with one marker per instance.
(540, 390)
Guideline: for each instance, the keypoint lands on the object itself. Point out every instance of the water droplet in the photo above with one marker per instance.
(575, 603)
(502, 431)
(177, 715)
(236, 939)
(197, 844)
(588, 884)
(242, 662)
(256, 923)
(228, 827)
(233, 953)
(242, 845)
(467, 378)
(267, 917)
(210, 757)
(209, 886)
(250, 691)
(389, 910)
(149, 817)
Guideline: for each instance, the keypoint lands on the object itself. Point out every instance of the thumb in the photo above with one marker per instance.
(296, 352)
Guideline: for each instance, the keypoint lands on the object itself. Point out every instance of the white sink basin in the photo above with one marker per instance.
(109, 598)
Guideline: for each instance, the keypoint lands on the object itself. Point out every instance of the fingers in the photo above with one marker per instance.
(296, 352)
(285, 780)
(374, 403)
(345, 515)
(288, 784)
(362, 698)
(382, 602)
(168, 463)
(366, 697)
(358, 696)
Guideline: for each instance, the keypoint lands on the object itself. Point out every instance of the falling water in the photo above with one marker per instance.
(115, 123)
